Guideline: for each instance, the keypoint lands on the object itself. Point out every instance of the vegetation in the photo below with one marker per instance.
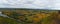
(31, 16)
(4, 20)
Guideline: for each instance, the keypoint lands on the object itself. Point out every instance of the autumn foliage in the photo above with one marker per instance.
(32, 16)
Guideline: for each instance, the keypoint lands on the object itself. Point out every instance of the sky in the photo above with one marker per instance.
(33, 4)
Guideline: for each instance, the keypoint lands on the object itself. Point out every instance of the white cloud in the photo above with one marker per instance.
(29, 4)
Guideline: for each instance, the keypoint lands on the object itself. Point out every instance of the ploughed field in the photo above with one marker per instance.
(22, 16)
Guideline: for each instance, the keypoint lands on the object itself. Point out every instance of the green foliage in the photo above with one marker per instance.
(7, 21)
(47, 20)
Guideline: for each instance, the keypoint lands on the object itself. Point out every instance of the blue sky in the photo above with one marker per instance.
(35, 4)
